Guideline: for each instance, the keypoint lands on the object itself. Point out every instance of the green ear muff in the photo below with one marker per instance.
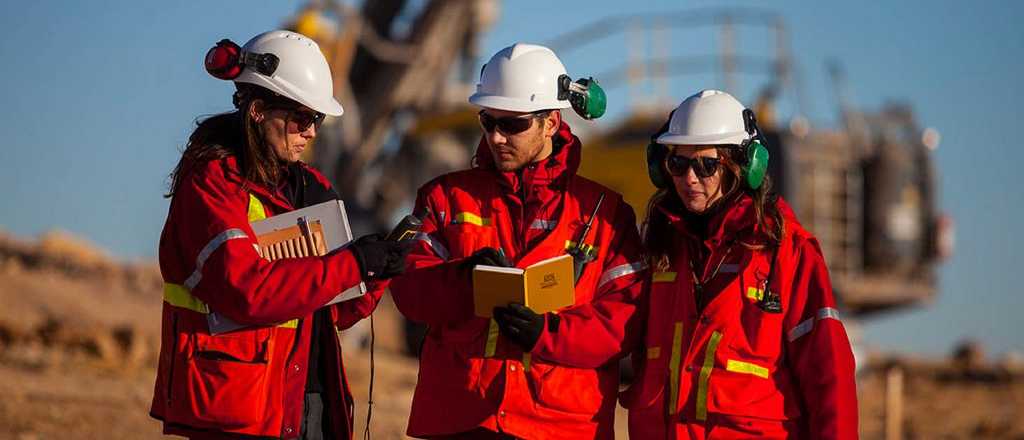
(756, 166)
(585, 95)
(588, 98)
(755, 154)
(656, 154)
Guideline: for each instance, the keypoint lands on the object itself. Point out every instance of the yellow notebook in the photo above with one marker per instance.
(544, 286)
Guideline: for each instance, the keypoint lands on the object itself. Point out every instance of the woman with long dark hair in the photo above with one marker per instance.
(281, 374)
(743, 338)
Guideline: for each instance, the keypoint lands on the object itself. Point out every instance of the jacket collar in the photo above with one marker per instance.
(563, 162)
(232, 173)
(736, 218)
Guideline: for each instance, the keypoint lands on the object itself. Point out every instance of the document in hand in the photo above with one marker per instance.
(544, 286)
(314, 230)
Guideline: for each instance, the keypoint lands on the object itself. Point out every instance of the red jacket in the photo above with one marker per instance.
(470, 376)
(249, 381)
(735, 370)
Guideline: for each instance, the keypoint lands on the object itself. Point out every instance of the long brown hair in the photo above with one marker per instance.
(657, 231)
(236, 134)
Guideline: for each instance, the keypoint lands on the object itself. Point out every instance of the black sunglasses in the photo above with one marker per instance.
(302, 118)
(703, 167)
(509, 124)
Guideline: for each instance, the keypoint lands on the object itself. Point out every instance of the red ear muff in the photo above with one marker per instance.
(223, 60)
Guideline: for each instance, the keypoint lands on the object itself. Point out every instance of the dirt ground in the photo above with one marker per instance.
(78, 335)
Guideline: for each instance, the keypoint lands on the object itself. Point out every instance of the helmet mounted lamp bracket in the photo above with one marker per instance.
(264, 63)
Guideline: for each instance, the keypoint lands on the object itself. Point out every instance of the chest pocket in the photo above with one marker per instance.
(758, 334)
(468, 231)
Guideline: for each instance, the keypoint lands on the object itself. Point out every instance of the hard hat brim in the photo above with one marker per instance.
(326, 105)
(733, 138)
(329, 106)
(515, 105)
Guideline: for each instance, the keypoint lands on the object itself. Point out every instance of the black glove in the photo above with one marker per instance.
(379, 258)
(487, 256)
(520, 324)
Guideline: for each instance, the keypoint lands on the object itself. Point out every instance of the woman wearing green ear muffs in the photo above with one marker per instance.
(743, 337)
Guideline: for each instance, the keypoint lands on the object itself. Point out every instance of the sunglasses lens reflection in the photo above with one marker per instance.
(508, 125)
(703, 167)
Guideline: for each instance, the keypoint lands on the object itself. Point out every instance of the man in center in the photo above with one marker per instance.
(521, 374)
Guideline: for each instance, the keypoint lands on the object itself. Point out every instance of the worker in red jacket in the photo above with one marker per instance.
(522, 374)
(743, 336)
(281, 375)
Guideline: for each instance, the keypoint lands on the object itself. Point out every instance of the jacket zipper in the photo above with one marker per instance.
(174, 349)
(521, 232)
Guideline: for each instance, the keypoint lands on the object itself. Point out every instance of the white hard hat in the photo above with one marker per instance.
(710, 117)
(302, 73)
(521, 78)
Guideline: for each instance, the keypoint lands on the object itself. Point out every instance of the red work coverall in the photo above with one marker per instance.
(249, 381)
(734, 370)
(469, 375)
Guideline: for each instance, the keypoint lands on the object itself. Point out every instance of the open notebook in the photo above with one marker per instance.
(314, 230)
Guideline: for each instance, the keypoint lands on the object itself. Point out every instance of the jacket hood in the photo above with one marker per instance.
(563, 162)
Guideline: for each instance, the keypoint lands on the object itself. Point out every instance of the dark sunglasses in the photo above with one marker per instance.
(302, 118)
(703, 167)
(508, 124)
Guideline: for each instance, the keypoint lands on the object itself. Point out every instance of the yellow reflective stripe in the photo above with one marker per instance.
(526, 362)
(755, 293)
(653, 352)
(256, 211)
(473, 219)
(673, 367)
(746, 367)
(664, 277)
(492, 339)
(178, 296)
(705, 374)
(589, 249)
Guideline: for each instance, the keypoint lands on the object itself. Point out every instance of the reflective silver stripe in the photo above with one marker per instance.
(621, 271)
(547, 225)
(828, 312)
(805, 327)
(215, 243)
(438, 248)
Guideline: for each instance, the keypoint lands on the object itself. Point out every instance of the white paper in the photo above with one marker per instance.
(337, 235)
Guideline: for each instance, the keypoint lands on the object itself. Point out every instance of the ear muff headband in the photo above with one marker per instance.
(585, 95)
(225, 60)
(755, 154)
(752, 170)
(656, 154)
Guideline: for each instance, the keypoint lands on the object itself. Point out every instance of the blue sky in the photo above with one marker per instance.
(99, 96)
